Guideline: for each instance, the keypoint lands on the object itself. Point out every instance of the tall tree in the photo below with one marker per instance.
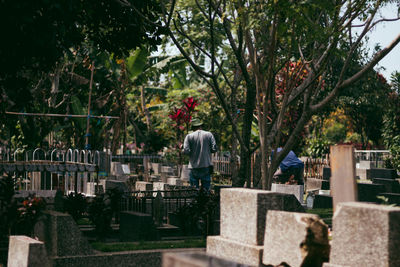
(265, 38)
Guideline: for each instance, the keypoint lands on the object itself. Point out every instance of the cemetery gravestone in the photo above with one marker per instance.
(116, 169)
(343, 182)
(27, 252)
(295, 237)
(243, 215)
(296, 190)
(61, 235)
(365, 235)
(143, 186)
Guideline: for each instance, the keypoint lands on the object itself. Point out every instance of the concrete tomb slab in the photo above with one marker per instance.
(243, 214)
(143, 186)
(61, 235)
(116, 169)
(239, 252)
(365, 235)
(114, 184)
(293, 237)
(24, 251)
(296, 190)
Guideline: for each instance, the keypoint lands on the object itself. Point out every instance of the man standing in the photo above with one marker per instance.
(199, 145)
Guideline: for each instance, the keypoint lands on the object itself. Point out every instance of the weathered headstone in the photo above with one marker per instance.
(343, 182)
(114, 184)
(143, 186)
(293, 237)
(160, 186)
(24, 251)
(116, 169)
(365, 235)
(243, 214)
(61, 235)
(296, 190)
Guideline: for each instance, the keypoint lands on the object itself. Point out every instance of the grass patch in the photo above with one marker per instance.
(324, 214)
(145, 245)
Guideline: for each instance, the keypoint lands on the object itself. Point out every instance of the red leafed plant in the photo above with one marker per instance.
(28, 214)
(183, 116)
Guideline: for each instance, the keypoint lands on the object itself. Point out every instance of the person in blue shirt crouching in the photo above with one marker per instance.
(291, 170)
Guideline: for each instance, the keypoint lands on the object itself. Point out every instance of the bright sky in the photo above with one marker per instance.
(383, 35)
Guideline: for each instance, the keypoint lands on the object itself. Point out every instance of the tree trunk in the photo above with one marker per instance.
(245, 153)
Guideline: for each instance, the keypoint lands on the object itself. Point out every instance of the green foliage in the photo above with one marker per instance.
(336, 133)
(391, 123)
(317, 147)
(395, 153)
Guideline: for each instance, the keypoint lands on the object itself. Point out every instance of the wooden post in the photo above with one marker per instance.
(343, 182)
